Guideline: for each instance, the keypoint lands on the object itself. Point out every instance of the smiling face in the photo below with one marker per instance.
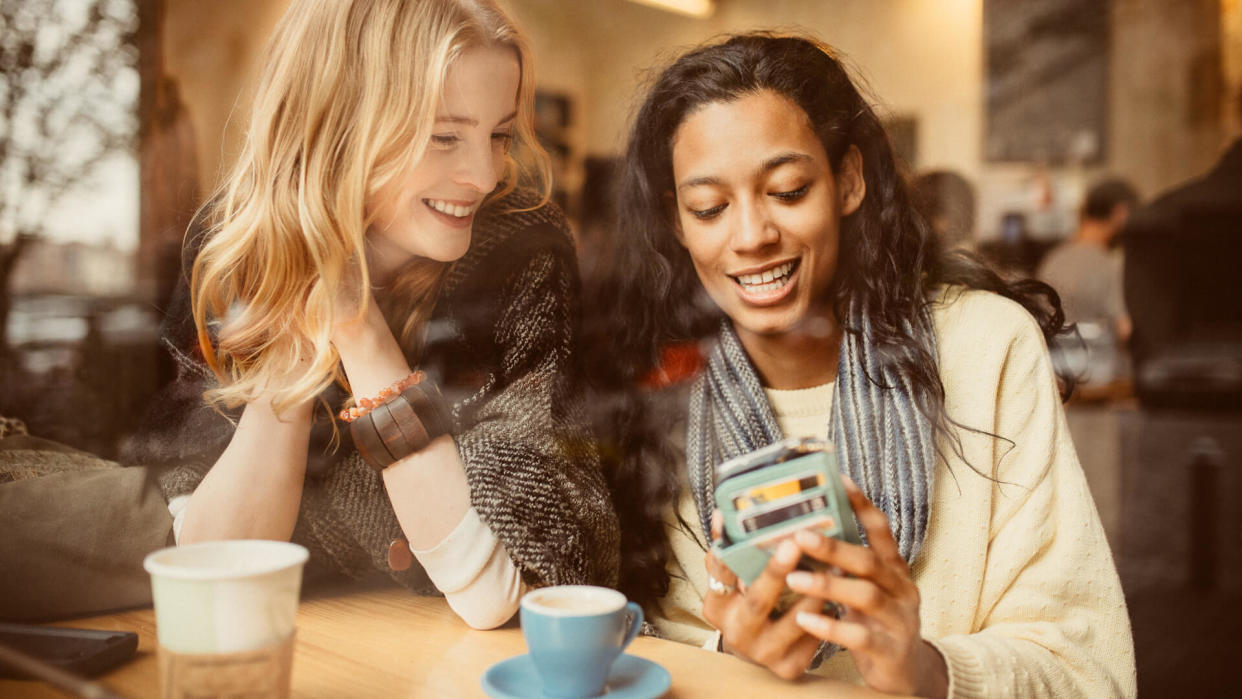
(428, 210)
(759, 210)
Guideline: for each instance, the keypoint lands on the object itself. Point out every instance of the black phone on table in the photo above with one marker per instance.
(84, 652)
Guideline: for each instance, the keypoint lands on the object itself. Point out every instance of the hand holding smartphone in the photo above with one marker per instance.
(771, 493)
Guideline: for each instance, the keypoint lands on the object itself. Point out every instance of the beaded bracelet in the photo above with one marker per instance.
(366, 405)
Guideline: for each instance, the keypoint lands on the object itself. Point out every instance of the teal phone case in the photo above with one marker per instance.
(775, 491)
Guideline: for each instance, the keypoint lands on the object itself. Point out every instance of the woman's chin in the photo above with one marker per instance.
(447, 250)
(764, 327)
(790, 326)
(443, 251)
(447, 256)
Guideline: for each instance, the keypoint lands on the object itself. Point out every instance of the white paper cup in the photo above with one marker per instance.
(224, 614)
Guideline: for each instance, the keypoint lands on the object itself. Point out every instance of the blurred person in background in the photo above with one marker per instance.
(947, 200)
(1086, 271)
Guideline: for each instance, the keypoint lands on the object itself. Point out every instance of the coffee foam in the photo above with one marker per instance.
(574, 600)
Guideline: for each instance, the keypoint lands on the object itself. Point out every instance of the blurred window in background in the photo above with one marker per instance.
(69, 205)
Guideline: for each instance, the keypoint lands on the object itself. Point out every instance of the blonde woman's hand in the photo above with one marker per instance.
(743, 615)
(347, 322)
(880, 626)
(369, 353)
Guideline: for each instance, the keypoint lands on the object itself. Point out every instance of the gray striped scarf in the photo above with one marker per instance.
(883, 442)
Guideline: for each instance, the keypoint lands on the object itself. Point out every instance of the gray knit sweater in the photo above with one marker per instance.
(501, 344)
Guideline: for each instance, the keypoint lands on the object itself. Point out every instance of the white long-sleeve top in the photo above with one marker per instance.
(470, 566)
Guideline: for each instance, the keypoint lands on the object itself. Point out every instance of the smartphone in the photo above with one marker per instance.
(769, 494)
(84, 652)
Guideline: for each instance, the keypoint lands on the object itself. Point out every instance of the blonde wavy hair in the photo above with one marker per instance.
(347, 101)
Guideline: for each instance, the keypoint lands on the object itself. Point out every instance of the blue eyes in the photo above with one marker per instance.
(789, 196)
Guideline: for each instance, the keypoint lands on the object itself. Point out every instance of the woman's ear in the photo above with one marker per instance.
(851, 184)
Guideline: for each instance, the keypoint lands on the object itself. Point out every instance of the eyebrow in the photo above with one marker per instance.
(768, 165)
(454, 119)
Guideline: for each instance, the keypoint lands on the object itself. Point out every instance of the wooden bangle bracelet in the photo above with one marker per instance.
(404, 424)
(370, 447)
(389, 431)
(427, 403)
(412, 429)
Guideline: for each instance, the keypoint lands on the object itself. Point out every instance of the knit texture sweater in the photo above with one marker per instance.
(1018, 587)
(501, 345)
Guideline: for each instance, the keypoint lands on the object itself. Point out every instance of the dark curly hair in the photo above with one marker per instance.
(890, 261)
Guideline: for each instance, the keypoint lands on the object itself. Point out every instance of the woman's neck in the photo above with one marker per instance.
(795, 359)
(384, 260)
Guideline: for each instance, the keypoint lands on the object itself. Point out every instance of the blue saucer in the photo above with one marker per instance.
(632, 677)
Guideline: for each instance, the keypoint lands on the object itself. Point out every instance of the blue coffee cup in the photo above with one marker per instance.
(575, 633)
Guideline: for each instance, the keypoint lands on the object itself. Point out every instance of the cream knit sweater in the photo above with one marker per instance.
(1018, 588)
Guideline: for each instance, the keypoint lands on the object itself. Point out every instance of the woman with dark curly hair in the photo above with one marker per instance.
(757, 173)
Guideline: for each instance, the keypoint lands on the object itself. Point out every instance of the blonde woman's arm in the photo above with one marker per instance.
(428, 489)
(429, 492)
(254, 489)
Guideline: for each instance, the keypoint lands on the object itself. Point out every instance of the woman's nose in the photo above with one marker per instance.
(754, 229)
(478, 168)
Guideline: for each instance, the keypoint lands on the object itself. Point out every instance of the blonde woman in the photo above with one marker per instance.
(384, 243)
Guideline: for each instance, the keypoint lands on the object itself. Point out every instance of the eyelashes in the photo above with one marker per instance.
(793, 194)
(501, 139)
(787, 196)
(705, 214)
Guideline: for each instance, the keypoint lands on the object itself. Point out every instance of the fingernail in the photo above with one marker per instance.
(806, 537)
(787, 553)
(809, 621)
(798, 578)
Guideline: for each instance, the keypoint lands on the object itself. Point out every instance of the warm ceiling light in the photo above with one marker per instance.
(693, 8)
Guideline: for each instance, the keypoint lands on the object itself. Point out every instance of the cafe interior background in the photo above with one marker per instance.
(119, 122)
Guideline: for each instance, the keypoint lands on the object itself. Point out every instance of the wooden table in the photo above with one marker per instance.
(389, 643)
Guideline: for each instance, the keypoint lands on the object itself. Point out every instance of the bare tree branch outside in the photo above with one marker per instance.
(67, 103)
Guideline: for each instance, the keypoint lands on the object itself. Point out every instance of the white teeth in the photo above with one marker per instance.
(769, 279)
(770, 286)
(450, 208)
